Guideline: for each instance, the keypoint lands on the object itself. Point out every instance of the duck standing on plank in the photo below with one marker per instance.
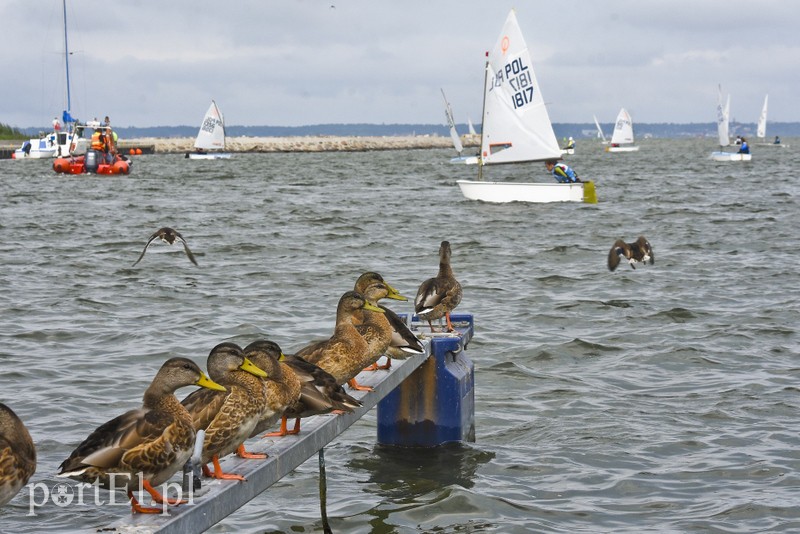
(439, 296)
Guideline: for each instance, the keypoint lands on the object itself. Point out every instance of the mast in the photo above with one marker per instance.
(483, 117)
(67, 116)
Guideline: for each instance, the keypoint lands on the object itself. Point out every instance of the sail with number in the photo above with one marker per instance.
(723, 111)
(623, 129)
(448, 112)
(761, 129)
(212, 131)
(516, 126)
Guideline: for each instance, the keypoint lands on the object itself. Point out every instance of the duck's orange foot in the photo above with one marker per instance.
(355, 385)
(242, 453)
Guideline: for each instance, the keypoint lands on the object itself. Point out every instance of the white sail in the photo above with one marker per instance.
(516, 126)
(623, 129)
(600, 133)
(761, 129)
(448, 112)
(722, 119)
(471, 127)
(212, 131)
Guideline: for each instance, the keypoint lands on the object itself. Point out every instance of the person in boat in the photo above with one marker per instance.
(56, 125)
(562, 172)
(777, 140)
(98, 142)
(738, 140)
(745, 148)
(570, 144)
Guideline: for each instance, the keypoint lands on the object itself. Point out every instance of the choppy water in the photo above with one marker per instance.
(661, 399)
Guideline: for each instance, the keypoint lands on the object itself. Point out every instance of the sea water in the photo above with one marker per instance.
(663, 398)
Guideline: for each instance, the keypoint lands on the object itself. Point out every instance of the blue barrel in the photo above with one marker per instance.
(436, 403)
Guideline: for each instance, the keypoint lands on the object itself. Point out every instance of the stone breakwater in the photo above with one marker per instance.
(306, 144)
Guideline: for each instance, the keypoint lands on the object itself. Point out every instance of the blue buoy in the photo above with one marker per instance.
(436, 403)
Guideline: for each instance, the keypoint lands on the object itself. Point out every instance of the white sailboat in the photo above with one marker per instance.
(600, 134)
(210, 142)
(471, 127)
(448, 112)
(723, 115)
(622, 137)
(516, 127)
(761, 128)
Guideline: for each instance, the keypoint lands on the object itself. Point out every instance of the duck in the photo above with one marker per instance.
(346, 352)
(227, 418)
(281, 390)
(318, 392)
(387, 334)
(152, 442)
(167, 235)
(17, 454)
(638, 251)
(437, 297)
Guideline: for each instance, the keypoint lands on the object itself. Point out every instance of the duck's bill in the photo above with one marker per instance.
(206, 382)
(253, 369)
(395, 294)
(372, 307)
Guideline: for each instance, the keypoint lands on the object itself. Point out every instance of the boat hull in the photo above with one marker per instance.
(730, 156)
(502, 192)
(77, 166)
(465, 160)
(568, 151)
(773, 145)
(622, 149)
(210, 155)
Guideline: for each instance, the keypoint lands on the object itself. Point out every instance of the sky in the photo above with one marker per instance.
(302, 62)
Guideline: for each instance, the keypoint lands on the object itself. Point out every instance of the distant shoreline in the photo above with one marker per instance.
(312, 143)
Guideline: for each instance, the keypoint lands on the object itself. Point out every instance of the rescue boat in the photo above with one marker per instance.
(91, 163)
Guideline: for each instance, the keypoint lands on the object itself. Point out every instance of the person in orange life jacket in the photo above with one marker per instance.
(562, 172)
(745, 148)
(98, 141)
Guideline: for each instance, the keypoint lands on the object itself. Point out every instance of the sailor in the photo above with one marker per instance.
(98, 140)
(745, 148)
(562, 172)
(777, 140)
(570, 143)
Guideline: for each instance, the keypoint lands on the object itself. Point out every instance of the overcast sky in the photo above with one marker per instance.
(300, 62)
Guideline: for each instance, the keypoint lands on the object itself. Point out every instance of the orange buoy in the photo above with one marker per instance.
(61, 165)
(132, 151)
(121, 167)
(138, 151)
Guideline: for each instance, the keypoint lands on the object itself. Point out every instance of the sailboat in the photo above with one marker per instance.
(471, 127)
(516, 127)
(600, 134)
(622, 138)
(761, 128)
(723, 114)
(210, 141)
(448, 112)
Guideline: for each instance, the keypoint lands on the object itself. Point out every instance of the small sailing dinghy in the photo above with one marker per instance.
(448, 112)
(761, 129)
(600, 134)
(622, 138)
(210, 142)
(516, 127)
(723, 114)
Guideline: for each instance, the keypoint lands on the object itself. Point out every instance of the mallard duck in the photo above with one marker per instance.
(17, 454)
(318, 391)
(282, 389)
(439, 296)
(345, 353)
(385, 333)
(638, 251)
(153, 441)
(227, 418)
(169, 236)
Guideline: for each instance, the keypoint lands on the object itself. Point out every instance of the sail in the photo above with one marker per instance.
(623, 129)
(212, 131)
(761, 129)
(448, 112)
(600, 134)
(516, 126)
(471, 127)
(722, 119)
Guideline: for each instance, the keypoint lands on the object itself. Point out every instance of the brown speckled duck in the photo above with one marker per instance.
(318, 391)
(227, 418)
(346, 352)
(385, 333)
(155, 440)
(638, 251)
(17, 454)
(169, 236)
(437, 297)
